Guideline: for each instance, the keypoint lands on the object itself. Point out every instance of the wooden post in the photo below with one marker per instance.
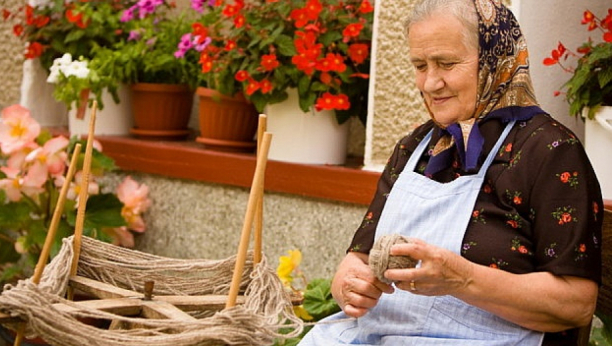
(254, 196)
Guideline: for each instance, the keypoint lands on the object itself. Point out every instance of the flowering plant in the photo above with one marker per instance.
(318, 301)
(51, 28)
(33, 165)
(147, 55)
(263, 48)
(591, 83)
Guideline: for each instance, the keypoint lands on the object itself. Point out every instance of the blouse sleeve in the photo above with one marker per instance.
(566, 205)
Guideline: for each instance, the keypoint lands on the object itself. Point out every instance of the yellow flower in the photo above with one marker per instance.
(287, 264)
(302, 313)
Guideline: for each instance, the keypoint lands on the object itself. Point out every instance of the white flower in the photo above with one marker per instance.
(77, 68)
(40, 3)
(54, 73)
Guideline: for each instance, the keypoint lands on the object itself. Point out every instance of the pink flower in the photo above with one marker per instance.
(14, 185)
(51, 156)
(135, 202)
(75, 187)
(17, 129)
(121, 236)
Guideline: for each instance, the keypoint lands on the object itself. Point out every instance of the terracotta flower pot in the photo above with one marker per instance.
(161, 111)
(226, 123)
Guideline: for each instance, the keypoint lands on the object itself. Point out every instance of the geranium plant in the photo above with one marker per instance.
(263, 48)
(591, 83)
(33, 165)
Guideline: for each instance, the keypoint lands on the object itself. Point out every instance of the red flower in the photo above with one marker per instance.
(269, 62)
(230, 45)
(252, 87)
(313, 9)
(517, 200)
(230, 10)
(512, 223)
(18, 29)
(331, 62)
(358, 52)
(366, 7)
(304, 63)
(475, 213)
(329, 101)
(239, 21)
(582, 248)
(565, 176)
(522, 249)
(556, 54)
(34, 50)
(565, 218)
(299, 16)
(242, 75)
(6, 13)
(325, 78)
(206, 62)
(265, 86)
(589, 18)
(352, 30)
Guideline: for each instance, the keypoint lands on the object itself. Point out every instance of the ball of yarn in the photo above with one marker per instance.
(380, 260)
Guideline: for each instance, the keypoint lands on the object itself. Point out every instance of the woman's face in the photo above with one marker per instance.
(446, 68)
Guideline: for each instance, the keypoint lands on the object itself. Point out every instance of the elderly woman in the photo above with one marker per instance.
(499, 200)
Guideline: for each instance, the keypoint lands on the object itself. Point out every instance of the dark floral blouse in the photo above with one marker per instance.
(539, 209)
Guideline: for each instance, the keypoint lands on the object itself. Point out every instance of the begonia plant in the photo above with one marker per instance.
(262, 48)
(591, 83)
(33, 166)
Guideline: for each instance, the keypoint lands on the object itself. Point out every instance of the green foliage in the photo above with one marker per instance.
(319, 304)
(148, 57)
(591, 84)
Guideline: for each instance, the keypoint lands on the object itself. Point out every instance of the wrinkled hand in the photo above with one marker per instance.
(442, 272)
(355, 287)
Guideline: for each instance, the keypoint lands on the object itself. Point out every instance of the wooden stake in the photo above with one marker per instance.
(258, 238)
(57, 214)
(254, 196)
(83, 194)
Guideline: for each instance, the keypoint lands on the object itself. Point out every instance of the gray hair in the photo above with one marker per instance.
(463, 10)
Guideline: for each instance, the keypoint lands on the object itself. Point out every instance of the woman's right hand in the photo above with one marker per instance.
(355, 287)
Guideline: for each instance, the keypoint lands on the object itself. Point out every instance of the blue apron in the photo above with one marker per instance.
(437, 213)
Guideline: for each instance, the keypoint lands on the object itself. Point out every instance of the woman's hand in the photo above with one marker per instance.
(540, 300)
(441, 271)
(355, 287)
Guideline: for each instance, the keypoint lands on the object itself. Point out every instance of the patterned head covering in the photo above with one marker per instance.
(504, 85)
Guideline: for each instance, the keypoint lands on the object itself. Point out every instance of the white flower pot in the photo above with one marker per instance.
(598, 144)
(310, 138)
(113, 120)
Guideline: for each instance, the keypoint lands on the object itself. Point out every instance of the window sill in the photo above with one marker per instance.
(189, 160)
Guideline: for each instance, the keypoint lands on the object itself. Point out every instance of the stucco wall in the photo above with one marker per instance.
(11, 53)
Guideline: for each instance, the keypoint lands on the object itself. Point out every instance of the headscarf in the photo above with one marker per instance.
(504, 90)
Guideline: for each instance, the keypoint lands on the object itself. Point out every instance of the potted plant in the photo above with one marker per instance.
(52, 28)
(317, 50)
(162, 85)
(589, 91)
(33, 164)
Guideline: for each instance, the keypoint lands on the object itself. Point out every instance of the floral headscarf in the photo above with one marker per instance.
(505, 90)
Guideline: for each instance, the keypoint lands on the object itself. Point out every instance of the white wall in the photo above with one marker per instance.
(544, 24)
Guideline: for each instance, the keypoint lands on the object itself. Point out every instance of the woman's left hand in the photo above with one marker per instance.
(441, 271)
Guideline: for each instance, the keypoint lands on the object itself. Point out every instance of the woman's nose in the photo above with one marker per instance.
(433, 81)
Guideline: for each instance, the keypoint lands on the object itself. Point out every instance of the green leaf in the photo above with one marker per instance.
(318, 300)
(104, 211)
(285, 45)
(7, 251)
